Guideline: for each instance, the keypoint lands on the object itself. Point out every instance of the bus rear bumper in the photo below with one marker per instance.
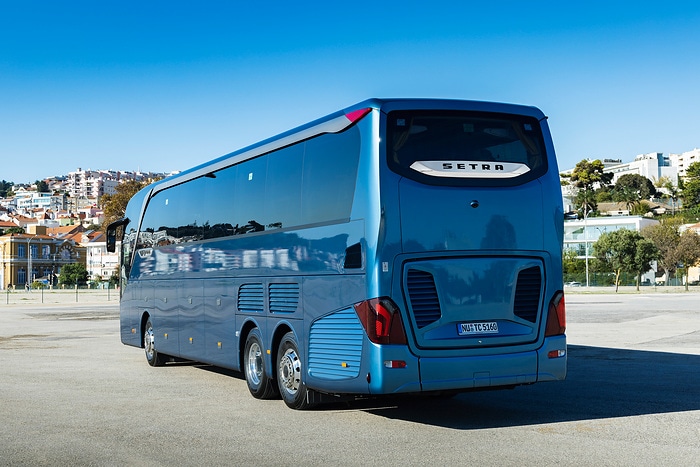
(464, 373)
(474, 372)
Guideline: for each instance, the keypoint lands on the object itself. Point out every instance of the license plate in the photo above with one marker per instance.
(467, 329)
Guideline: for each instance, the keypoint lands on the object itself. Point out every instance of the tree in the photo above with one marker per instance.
(691, 186)
(643, 185)
(627, 195)
(5, 189)
(72, 274)
(688, 251)
(41, 186)
(666, 237)
(624, 251)
(586, 177)
(17, 230)
(645, 254)
(631, 189)
(573, 266)
(115, 205)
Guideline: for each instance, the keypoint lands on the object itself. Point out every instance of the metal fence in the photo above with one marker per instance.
(60, 295)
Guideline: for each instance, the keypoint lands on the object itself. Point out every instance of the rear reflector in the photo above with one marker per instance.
(556, 353)
(394, 364)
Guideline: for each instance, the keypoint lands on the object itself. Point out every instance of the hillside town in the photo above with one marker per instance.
(43, 228)
(57, 221)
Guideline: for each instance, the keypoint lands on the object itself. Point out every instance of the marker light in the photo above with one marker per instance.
(355, 115)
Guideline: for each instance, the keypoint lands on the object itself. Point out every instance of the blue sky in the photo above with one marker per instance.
(166, 85)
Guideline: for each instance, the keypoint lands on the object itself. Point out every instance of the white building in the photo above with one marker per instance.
(26, 201)
(581, 234)
(653, 166)
(683, 160)
(100, 264)
(92, 183)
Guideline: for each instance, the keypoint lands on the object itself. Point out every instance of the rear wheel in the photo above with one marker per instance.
(149, 344)
(289, 374)
(259, 384)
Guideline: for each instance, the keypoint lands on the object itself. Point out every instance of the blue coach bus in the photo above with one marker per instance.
(397, 246)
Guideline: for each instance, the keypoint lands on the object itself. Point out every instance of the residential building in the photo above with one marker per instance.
(30, 200)
(683, 160)
(100, 264)
(92, 184)
(25, 258)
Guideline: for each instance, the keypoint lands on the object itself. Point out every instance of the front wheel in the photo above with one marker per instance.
(259, 384)
(289, 374)
(149, 344)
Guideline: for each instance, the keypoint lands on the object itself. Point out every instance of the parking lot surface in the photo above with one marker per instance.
(72, 394)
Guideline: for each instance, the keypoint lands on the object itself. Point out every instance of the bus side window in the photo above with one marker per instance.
(283, 188)
(330, 173)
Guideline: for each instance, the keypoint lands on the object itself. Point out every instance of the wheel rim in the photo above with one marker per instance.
(149, 343)
(255, 364)
(290, 371)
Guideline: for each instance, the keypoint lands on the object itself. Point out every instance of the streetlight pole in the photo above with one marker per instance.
(585, 238)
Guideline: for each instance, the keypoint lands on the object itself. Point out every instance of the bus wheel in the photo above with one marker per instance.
(259, 384)
(289, 374)
(149, 344)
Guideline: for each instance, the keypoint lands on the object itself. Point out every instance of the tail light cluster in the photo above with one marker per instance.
(382, 321)
(556, 316)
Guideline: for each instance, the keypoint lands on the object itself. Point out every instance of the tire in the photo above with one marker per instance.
(149, 344)
(290, 370)
(259, 384)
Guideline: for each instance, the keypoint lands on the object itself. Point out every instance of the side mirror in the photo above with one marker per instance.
(112, 233)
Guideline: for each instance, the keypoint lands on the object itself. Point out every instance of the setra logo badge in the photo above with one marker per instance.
(470, 169)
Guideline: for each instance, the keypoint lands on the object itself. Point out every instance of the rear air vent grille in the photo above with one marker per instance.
(284, 298)
(424, 298)
(250, 298)
(527, 294)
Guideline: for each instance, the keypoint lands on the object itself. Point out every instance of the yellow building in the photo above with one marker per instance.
(35, 256)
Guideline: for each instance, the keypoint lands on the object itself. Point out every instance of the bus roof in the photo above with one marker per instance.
(336, 122)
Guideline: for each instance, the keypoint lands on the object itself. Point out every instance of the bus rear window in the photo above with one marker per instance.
(465, 148)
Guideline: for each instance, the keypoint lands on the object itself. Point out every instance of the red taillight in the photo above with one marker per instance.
(556, 316)
(382, 321)
(355, 115)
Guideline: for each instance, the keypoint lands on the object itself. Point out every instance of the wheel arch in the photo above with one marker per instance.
(248, 326)
(142, 328)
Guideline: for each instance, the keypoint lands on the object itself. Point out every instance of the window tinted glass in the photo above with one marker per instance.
(310, 182)
(216, 202)
(451, 147)
(330, 172)
(283, 188)
(249, 193)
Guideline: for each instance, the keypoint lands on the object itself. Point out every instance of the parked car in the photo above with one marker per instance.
(573, 284)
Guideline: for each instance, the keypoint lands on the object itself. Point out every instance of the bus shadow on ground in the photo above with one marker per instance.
(601, 383)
